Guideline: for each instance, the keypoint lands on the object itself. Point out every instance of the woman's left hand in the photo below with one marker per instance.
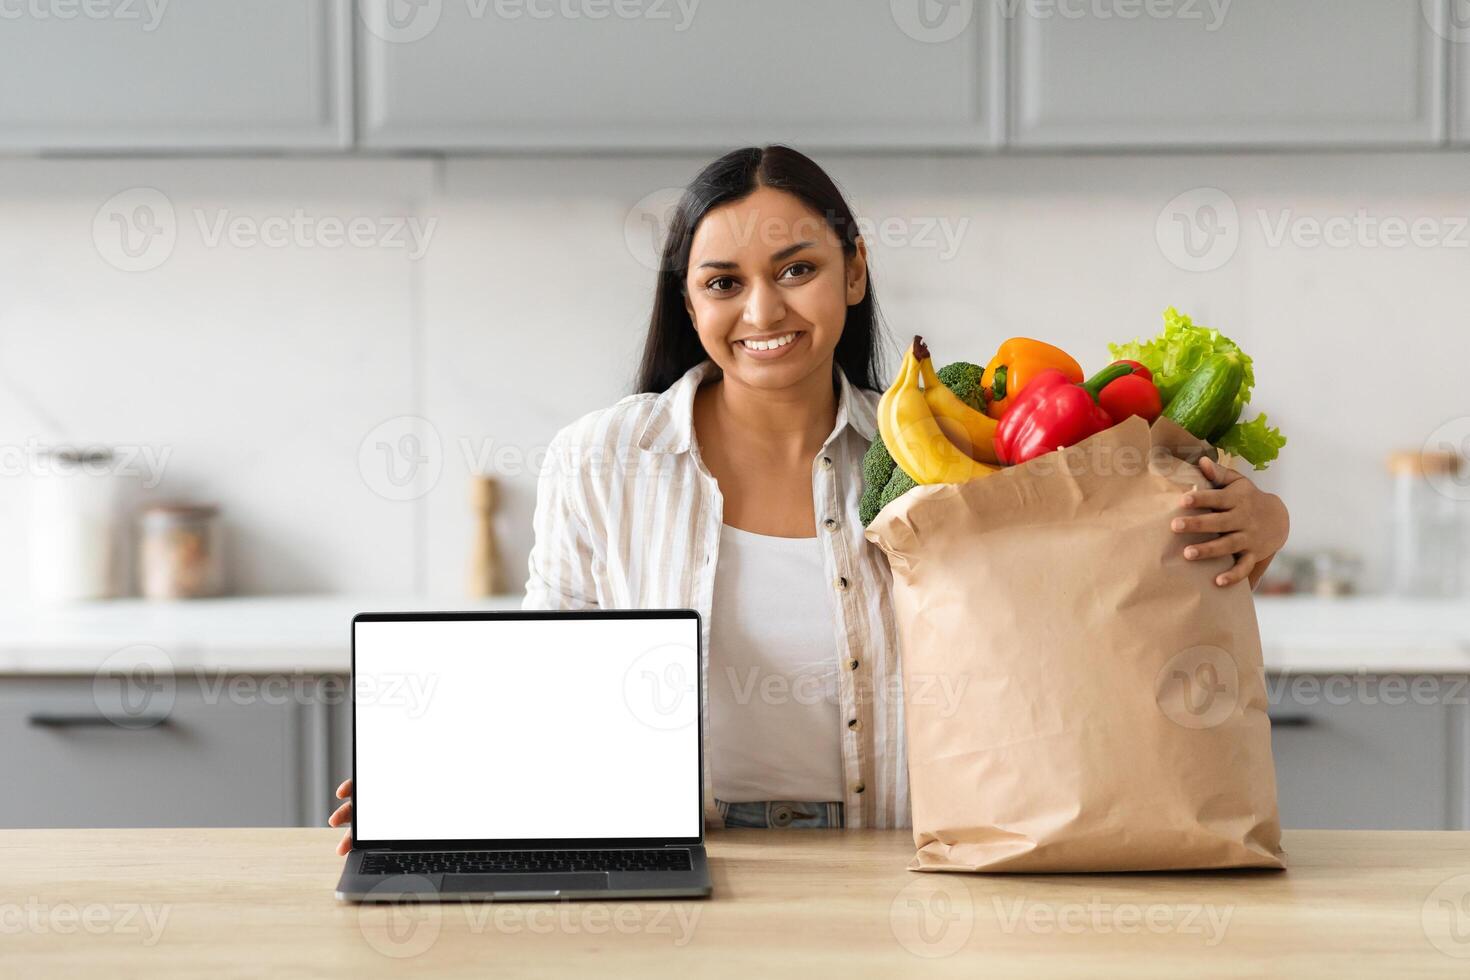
(1252, 525)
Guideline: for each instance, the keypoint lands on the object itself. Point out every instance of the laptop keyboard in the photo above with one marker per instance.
(523, 862)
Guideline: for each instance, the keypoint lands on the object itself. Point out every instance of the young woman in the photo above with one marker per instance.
(730, 484)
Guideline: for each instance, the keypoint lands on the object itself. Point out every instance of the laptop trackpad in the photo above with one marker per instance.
(525, 882)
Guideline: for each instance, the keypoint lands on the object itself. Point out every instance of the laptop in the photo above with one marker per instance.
(517, 756)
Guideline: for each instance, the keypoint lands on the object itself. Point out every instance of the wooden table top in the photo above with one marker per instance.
(258, 902)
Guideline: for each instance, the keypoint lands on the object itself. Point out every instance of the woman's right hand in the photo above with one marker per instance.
(343, 814)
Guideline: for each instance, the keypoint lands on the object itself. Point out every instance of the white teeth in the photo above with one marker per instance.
(769, 344)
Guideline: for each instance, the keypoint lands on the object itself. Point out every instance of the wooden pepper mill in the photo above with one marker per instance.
(485, 578)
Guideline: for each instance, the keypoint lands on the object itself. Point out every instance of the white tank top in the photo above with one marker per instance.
(774, 726)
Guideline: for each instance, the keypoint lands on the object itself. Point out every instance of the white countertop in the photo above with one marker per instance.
(259, 634)
(249, 634)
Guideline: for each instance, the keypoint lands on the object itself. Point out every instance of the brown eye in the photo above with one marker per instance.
(720, 284)
(792, 269)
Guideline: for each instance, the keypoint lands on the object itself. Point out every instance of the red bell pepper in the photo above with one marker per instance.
(1132, 394)
(1051, 412)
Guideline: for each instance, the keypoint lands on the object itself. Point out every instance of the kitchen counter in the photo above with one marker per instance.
(257, 634)
(818, 903)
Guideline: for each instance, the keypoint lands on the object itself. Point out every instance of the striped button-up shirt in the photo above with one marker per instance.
(628, 517)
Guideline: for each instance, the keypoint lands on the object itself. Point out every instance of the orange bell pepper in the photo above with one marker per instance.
(1017, 362)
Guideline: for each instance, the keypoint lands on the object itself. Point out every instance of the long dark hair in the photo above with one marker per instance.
(673, 347)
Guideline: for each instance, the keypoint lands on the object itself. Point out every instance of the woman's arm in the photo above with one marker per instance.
(561, 561)
(1252, 525)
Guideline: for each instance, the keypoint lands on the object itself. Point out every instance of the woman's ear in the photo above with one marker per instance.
(857, 273)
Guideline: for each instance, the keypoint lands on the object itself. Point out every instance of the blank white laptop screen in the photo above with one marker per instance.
(517, 729)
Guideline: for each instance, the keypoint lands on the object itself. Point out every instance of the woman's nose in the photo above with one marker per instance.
(764, 308)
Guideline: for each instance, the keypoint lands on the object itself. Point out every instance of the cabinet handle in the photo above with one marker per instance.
(45, 720)
(1292, 721)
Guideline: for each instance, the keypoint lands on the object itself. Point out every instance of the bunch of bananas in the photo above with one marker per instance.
(932, 435)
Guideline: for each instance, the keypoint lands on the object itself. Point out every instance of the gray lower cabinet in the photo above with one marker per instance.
(1352, 752)
(650, 74)
(1381, 752)
(1203, 73)
(192, 74)
(164, 752)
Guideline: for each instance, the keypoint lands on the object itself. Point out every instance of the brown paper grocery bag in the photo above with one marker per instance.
(1077, 695)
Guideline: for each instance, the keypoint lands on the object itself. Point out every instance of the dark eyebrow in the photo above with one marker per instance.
(785, 253)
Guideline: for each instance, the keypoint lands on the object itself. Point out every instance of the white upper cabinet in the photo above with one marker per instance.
(175, 74)
(1205, 73)
(650, 74)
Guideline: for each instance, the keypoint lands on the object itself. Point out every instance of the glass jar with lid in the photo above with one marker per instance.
(179, 553)
(1426, 521)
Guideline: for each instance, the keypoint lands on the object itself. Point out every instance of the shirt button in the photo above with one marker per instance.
(841, 583)
(859, 788)
(826, 462)
(831, 524)
(852, 723)
(852, 664)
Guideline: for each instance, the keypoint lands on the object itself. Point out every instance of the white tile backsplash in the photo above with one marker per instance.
(262, 369)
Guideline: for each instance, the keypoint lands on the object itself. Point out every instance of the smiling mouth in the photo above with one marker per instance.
(771, 343)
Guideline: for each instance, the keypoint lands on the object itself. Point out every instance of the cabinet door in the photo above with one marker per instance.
(164, 752)
(1457, 29)
(1218, 73)
(212, 74)
(1368, 753)
(644, 74)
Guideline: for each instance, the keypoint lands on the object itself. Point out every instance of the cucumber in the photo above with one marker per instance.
(1231, 417)
(1205, 402)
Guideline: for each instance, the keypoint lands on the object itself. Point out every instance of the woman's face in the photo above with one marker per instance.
(768, 288)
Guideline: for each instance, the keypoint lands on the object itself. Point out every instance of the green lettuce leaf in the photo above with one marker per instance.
(1176, 353)
(1254, 441)
(1179, 350)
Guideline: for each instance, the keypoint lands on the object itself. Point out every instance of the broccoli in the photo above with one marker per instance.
(963, 378)
(883, 480)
